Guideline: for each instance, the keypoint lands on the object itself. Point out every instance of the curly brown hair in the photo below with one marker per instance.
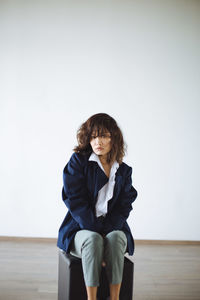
(101, 123)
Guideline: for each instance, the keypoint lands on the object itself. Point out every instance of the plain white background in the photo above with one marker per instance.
(61, 62)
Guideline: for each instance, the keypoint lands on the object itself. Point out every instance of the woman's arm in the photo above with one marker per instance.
(75, 195)
(116, 218)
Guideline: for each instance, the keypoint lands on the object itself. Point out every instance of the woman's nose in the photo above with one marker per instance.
(98, 140)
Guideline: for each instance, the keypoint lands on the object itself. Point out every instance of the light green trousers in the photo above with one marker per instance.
(92, 248)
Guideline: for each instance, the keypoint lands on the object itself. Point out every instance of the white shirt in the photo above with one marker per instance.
(106, 192)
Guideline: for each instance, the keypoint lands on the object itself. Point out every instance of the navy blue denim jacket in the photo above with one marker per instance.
(82, 179)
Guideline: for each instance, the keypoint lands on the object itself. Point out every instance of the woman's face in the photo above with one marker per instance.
(101, 144)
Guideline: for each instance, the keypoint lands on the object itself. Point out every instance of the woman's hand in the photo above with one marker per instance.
(103, 263)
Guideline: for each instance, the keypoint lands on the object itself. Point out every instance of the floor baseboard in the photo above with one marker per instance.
(28, 239)
(137, 241)
(166, 242)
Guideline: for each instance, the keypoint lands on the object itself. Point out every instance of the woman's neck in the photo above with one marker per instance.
(103, 159)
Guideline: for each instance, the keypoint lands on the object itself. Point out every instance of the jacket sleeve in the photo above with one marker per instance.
(116, 218)
(75, 195)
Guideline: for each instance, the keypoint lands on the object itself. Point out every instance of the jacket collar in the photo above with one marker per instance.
(115, 165)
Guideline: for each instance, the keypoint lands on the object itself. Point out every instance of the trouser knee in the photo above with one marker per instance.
(116, 239)
(94, 243)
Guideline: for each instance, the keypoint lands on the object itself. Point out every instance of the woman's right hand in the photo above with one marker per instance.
(103, 263)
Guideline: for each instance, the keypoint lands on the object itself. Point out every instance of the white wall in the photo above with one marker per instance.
(62, 61)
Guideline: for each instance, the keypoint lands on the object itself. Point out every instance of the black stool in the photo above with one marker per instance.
(71, 285)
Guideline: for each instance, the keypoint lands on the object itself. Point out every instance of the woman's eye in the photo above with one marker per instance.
(104, 136)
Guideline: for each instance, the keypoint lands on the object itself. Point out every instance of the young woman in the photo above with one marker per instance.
(98, 193)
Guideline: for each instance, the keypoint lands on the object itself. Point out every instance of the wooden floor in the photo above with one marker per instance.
(166, 272)
(28, 271)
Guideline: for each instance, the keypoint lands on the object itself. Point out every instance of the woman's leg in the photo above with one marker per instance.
(89, 245)
(91, 292)
(114, 291)
(115, 248)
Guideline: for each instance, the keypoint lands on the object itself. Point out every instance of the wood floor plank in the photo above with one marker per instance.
(29, 271)
(167, 272)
